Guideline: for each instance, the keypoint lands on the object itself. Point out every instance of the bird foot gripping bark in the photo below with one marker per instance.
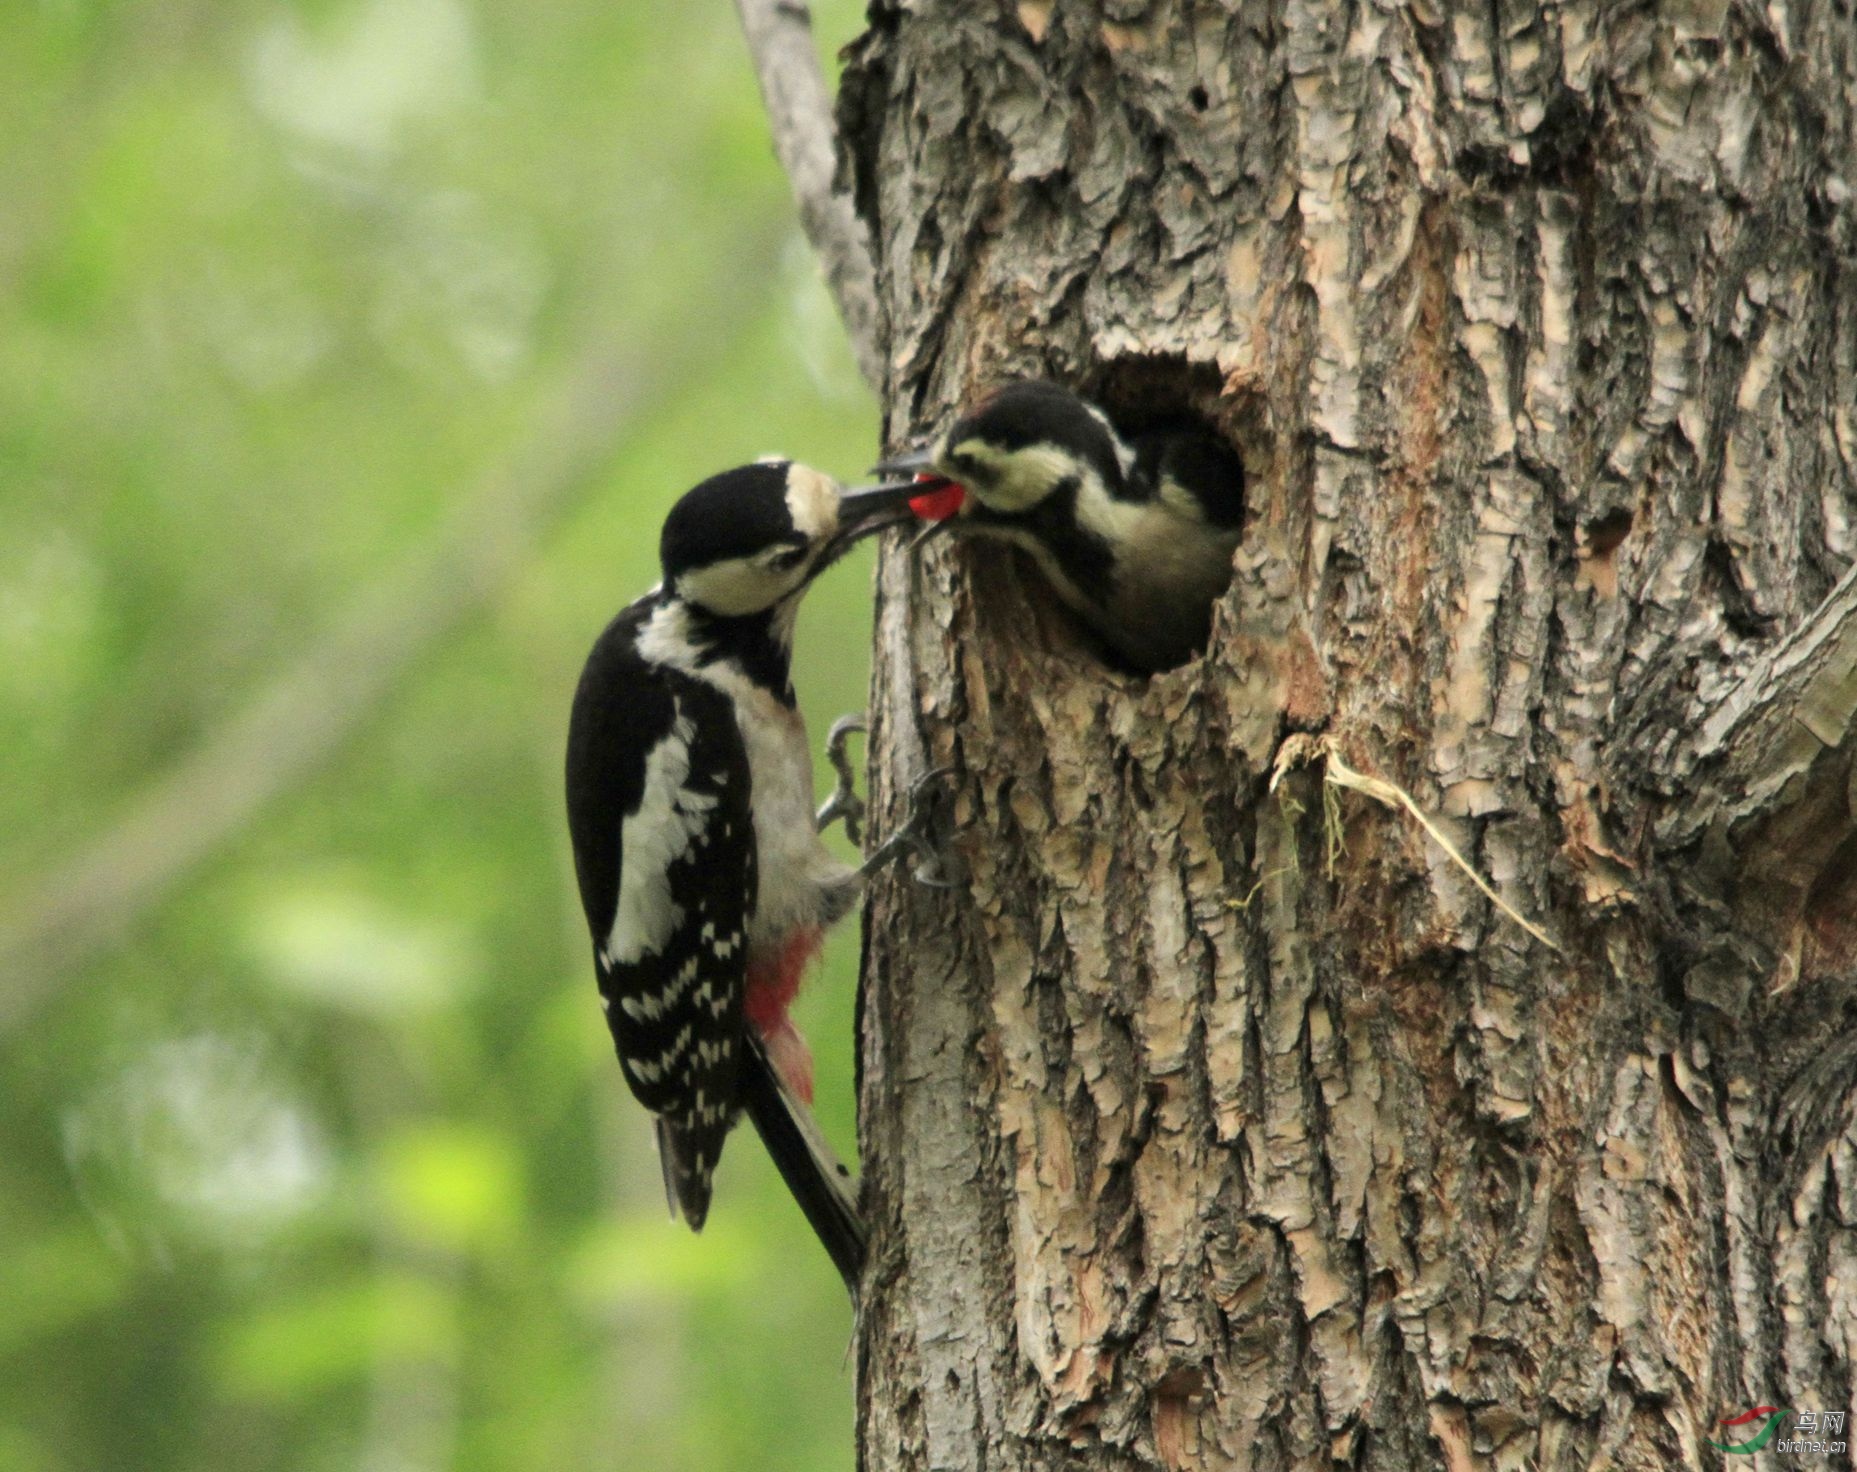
(934, 866)
(844, 803)
(915, 835)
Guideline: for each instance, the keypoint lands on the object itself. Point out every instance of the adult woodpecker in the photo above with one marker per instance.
(1135, 535)
(690, 805)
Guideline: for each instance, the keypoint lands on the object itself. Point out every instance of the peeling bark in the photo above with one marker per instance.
(1192, 1139)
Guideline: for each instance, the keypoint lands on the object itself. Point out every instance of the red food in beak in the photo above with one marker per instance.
(940, 503)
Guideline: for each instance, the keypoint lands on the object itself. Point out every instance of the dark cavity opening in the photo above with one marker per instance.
(1604, 535)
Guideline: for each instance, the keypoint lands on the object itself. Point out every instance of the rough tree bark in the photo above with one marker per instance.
(1192, 1140)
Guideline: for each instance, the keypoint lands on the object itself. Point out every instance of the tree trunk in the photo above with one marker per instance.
(1210, 1125)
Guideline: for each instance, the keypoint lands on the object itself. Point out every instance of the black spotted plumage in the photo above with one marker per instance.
(691, 811)
(674, 1009)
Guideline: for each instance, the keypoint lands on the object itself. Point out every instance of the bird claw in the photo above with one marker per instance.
(844, 804)
(934, 868)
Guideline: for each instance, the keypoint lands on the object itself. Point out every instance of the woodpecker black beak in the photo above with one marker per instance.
(910, 462)
(861, 506)
(864, 511)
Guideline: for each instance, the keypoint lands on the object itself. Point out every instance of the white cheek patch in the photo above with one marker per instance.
(668, 821)
(1020, 478)
(740, 585)
(812, 502)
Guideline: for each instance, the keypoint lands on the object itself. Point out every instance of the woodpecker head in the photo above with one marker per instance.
(1021, 445)
(749, 540)
(1135, 535)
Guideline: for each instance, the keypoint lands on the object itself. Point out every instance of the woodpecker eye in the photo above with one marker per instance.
(785, 559)
(970, 469)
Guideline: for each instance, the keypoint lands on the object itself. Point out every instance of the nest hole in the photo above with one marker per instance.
(1604, 534)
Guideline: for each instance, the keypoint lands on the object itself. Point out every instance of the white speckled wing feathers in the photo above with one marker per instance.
(670, 891)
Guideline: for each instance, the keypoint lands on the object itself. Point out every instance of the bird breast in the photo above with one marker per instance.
(1166, 582)
(797, 871)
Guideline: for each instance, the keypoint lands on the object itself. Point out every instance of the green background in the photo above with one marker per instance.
(354, 349)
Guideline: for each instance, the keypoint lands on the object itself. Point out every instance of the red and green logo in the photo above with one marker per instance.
(1772, 1415)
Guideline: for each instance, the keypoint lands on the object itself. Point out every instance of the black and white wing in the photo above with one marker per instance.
(658, 795)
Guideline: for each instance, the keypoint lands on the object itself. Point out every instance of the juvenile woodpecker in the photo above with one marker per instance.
(690, 805)
(1135, 535)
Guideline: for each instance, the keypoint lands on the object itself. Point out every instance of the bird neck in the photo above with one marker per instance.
(1062, 536)
(757, 645)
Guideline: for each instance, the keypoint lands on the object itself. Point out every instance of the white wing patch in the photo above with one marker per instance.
(670, 819)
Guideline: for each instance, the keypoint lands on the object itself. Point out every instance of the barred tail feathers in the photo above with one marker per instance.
(688, 1160)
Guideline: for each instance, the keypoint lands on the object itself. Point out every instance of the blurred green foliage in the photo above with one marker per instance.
(326, 1163)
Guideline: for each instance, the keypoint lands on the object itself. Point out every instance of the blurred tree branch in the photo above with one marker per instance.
(299, 720)
(799, 111)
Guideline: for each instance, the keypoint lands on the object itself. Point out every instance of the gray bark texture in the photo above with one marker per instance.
(1207, 1125)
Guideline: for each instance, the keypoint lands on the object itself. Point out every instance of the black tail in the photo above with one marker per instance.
(688, 1159)
(818, 1179)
